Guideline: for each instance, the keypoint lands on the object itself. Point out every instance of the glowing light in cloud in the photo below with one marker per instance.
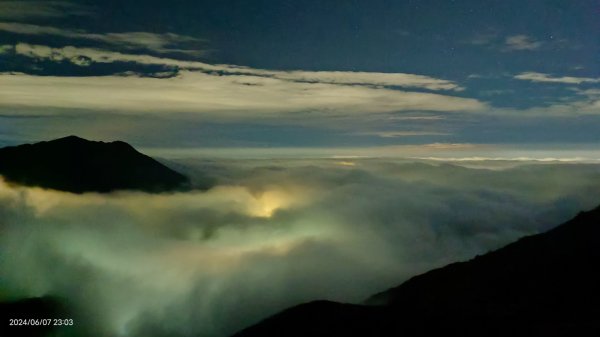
(269, 202)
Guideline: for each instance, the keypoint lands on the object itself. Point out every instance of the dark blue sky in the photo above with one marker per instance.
(501, 72)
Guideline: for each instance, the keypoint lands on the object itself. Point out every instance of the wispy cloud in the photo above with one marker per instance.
(417, 118)
(386, 79)
(591, 93)
(233, 96)
(546, 78)
(589, 105)
(160, 43)
(6, 48)
(520, 43)
(482, 39)
(397, 134)
(221, 92)
(495, 41)
(331, 77)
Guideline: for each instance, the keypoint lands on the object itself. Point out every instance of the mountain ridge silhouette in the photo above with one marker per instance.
(546, 284)
(78, 165)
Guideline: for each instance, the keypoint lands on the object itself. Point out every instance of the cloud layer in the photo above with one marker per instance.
(521, 42)
(545, 78)
(160, 43)
(269, 235)
(333, 77)
(221, 90)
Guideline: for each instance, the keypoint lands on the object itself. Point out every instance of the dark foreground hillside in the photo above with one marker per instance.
(78, 165)
(541, 285)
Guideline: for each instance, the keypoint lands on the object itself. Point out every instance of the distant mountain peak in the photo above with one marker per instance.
(78, 165)
(72, 138)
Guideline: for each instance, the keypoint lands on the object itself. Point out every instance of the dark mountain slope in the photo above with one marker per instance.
(541, 285)
(77, 165)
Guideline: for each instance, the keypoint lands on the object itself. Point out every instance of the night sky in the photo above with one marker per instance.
(314, 74)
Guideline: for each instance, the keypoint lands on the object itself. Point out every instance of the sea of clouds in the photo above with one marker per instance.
(269, 234)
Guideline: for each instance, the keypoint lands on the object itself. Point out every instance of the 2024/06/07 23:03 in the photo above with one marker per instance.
(40, 322)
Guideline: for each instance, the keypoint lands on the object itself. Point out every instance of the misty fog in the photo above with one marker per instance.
(269, 234)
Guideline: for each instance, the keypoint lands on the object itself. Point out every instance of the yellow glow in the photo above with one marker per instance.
(227, 198)
(269, 202)
(346, 163)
